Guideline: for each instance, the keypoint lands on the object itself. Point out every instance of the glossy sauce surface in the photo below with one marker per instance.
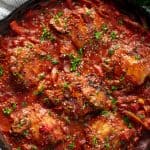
(74, 76)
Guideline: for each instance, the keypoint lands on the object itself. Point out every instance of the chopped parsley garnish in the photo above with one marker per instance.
(137, 57)
(97, 35)
(106, 61)
(71, 146)
(114, 88)
(7, 111)
(111, 52)
(24, 104)
(22, 122)
(80, 51)
(14, 105)
(75, 62)
(34, 147)
(1, 71)
(47, 35)
(107, 144)
(94, 141)
(41, 76)
(25, 133)
(105, 113)
(88, 11)
(54, 61)
(48, 57)
(58, 15)
(113, 35)
(127, 122)
(141, 116)
(113, 100)
(40, 90)
(122, 78)
(120, 22)
(18, 75)
(104, 27)
(29, 45)
(66, 85)
(67, 119)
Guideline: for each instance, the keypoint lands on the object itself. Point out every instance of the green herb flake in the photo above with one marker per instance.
(80, 52)
(18, 75)
(14, 105)
(113, 100)
(24, 104)
(7, 111)
(137, 57)
(75, 62)
(106, 61)
(120, 22)
(107, 144)
(88, 12)
(48, 57)
(18, 148)
(25, 133)
(94, 141)
(1, 71)
(29, 45)
(40, 90)
(41, 76)
(58, 15)
(114, 88)
(105, 113)
(127, 122)
(55, 62)
(34, 147)
(122, 78)
(97, 35)
(111, 52)
(47, 35)
(71, 146)
(67, 119)
(104, 27)
(141, 116)
(113, 35)
(66, 85)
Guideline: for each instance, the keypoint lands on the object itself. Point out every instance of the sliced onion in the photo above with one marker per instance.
(136, 119)
(54, 73)
(99, 69)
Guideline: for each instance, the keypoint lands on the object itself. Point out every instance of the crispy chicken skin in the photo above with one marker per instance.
(39, 123)
(75, 95)
(79, 20)
(108, 131)
(74, 75)
(135, 70)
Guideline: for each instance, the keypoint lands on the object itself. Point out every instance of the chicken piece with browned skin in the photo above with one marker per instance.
(26, 65)
(108, 131)
(41, 124)
(136, 69)
(78, 24)
(73, 92)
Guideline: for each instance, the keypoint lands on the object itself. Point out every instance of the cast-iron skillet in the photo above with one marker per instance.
(140, 14)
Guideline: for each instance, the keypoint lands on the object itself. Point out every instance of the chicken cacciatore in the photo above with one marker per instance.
(74, 75)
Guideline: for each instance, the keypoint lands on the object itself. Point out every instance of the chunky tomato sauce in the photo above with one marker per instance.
(74, 75)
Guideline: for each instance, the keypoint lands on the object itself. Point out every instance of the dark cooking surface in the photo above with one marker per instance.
(74, 77)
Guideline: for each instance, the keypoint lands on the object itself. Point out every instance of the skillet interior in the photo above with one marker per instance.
(139, 14)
